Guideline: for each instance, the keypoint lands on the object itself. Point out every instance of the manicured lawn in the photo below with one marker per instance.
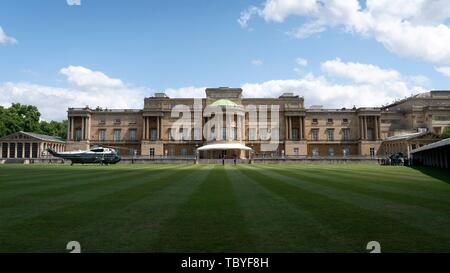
(207, 208)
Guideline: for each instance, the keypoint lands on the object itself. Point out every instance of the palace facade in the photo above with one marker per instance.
(301, 132)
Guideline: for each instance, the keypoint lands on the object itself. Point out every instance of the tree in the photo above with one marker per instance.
(26, 118)
(446, 133)
(54, 128)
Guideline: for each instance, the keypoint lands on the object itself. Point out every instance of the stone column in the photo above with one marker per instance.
(286, 124)
(88, 128)
(147, 128)
(376, 127)
(68, 128)
(290, 128)
(71, 128)
(300, 128)
(303, 128)
(157, 128)
(143, 128)
(379, 127)
(365, 127)
(82, 128)
(361, 128)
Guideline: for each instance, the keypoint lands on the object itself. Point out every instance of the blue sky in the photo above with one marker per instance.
(175, 46)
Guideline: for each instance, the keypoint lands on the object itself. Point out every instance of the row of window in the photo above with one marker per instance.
(345, 152)
(330, 134)
(264, 134)
(172, 152)
(329, 120)
(117, 135)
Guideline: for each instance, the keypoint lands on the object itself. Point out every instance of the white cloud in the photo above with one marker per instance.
(257, 62)
(186, 92)
(85, 78)
(301, 61)
(89, 88)
(358, 72)
(321, 91)
(5, 39)
(246, 15)
(444, 70)
(308, 29)
(95, 88)
(74, 2)
(413, 28)
(278, 10)
(386, 86)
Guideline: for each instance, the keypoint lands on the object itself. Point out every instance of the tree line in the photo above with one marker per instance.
(20, 117)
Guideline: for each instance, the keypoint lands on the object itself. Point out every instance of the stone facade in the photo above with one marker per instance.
(303, 132)
(28, 146)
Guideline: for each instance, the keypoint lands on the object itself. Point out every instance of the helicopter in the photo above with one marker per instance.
(94, 155)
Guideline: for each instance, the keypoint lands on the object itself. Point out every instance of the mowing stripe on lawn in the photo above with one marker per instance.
(32, 205)
(84, 177)
(136, 227)
(275, 224)
(72, 184)
(41, 233)
(363, 185)
(210, 221)
(428, 220)
(355, 223)
(15, 209)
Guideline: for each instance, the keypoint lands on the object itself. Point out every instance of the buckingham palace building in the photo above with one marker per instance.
(226, 124)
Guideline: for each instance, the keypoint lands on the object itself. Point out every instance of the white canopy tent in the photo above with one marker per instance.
(224, 146)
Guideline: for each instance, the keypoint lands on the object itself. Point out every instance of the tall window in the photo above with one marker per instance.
(346, 152)
(78, 134)
(315, 152)
(152, 152)
(295, 134)
(330, 151)
(252, 134)
(184, 152)
(197, 134)
(263, 133)
(315, 134)
(346, 134)
(372, 152)
(132, 134)
(116, 135)
(224, 133)
(296, 152)
(172, 152)
(213, 133)
(370, 134)
(171, 134)
(153, 134)
(101, 135)
(235, 136)
(330, 134)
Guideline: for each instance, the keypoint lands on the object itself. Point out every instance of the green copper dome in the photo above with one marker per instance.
(223, 102)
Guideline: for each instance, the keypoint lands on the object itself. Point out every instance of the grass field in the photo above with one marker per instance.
(207, 208)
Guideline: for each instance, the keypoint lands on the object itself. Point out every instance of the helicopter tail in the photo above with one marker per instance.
(52, 152)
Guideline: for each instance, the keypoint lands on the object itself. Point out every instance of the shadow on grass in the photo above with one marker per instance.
(437, 173)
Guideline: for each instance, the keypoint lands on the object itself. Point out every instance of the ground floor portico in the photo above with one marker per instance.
(24, 145)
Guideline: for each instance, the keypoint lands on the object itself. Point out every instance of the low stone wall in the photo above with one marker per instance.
(210, 161)
(317, 161)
